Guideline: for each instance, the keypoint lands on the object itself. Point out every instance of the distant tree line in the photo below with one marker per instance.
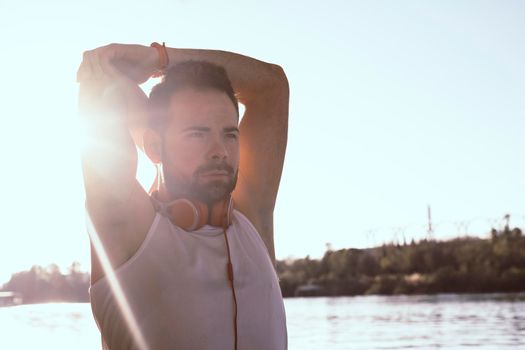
(461, 265)
(44, 284)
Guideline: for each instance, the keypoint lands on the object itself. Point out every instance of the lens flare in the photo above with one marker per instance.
(116, 288)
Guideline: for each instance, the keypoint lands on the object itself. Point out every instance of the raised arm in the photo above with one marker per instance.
(263, 89)
(112, 105)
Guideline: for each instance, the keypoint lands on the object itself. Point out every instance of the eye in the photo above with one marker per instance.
(232, 136)
(196, 134)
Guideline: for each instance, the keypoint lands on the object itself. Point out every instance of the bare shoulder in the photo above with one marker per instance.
(120, 228)
(262, 223)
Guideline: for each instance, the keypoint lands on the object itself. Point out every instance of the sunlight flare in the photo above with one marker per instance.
(115, 286)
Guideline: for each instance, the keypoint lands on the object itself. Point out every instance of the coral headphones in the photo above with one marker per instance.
(191, 215)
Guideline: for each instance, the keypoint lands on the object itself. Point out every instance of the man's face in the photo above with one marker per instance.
(200, 149)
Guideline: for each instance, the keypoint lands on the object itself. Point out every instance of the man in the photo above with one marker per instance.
(189, 265)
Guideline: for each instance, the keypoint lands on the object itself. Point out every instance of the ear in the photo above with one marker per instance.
(153, 146)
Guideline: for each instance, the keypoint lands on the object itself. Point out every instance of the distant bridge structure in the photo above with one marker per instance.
(478, 226)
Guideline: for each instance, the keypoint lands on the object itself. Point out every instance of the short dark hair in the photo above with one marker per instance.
(198, 75)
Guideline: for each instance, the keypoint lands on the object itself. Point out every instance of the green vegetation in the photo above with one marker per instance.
(39, 284)
(462, 265)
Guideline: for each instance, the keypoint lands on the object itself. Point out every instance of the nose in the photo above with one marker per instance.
(217, 150)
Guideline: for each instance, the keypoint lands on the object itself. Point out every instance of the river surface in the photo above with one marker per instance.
(482, 321)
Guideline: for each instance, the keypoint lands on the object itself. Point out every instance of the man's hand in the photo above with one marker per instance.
(109, 62)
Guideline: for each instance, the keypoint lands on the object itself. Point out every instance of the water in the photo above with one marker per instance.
(486, 321)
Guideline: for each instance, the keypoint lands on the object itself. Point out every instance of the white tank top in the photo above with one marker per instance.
(179, 293)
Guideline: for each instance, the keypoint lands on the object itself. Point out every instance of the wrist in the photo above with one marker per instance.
(152, 60)
(162, 59)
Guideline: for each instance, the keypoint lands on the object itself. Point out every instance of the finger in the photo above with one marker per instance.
(96, 69)
(79, 74)
(84, 70)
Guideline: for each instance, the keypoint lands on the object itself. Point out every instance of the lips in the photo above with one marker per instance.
(216, 173)
(211, 170)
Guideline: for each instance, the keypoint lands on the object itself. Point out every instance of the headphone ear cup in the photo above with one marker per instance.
(202, 214)
(187, 215)
(191, 216)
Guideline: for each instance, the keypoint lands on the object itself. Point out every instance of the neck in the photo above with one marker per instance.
(164, 195)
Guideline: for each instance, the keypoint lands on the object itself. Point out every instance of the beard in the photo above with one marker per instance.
(205, 191)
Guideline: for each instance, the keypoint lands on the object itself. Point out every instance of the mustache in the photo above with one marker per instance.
(214, 167)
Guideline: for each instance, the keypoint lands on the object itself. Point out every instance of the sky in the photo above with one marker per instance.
(395, 106)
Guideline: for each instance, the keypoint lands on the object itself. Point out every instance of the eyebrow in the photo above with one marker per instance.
(231, 129)
(196, 128)
(206, 129)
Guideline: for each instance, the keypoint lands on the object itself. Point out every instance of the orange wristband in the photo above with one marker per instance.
(163, 59)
